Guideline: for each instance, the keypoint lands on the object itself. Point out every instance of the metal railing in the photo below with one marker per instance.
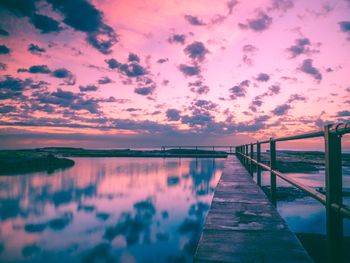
(198, 147)
(332, 199)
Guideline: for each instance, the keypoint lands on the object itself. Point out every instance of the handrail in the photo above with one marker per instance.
(343, 209)
(333, 199)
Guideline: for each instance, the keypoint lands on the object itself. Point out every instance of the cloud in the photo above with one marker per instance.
(281, 109)
(206, 104)
(19, 7)
(249, 48)
(3, 66)
(173, 115)
(301, 47)
(193, 20)
(281, 5)
(263, 77)
(35, 49)
(198, 87)
(308, 68)
(162, 60)
(45, 24)
(344, 113)
(112, 63)
(274, 89)
(133, 58)
(198, 118)
(68, 99)
(258, 100)
(177, 38)
(12, 88)
(255, 125)
(239, 90)
(345, 27)
(144, 91)
(83, 16)
(230, 5)
(130, 69)
(296, 97)
(104, 80)
(189, 71)
(284, 108)
(3, 32)
(63, 73)
(260, 23)
(36, 69)
(4, 50)
(196, 51)
(7, 109)
(88, 88)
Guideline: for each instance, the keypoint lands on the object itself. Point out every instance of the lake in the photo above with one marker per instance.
(127, 210)
(107, 209)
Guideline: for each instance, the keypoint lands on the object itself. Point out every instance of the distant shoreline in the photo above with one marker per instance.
(50, 159)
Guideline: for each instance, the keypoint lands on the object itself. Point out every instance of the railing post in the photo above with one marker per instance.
(334, 195)
(246, 155)
(251, 159)
(273, 166)
(258, 168)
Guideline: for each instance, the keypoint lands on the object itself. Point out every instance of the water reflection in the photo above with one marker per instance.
(107, 209)
(303, 213)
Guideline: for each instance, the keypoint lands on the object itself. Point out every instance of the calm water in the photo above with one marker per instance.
(305, 214)
(107, 209)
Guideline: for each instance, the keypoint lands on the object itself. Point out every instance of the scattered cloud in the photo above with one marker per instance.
(104, 80)
(85, 17)
(196, 51)
(345, 27)
(88, 88)
(173, 114)
(301, 46)
(162, 60)
(3, 32)
(281, 5)
(4, 50)
(281, 109)
(308, 68)
(198, 87)
(239, 90)
(144, 91)
(36, 69)
(258, 100)
(35, 49)
(45, 24)
(193, 20)
(189, 71)
(6, 109)
(63, 73)
(344, 113)
(177, 38)
(263, 77)
(258, 24)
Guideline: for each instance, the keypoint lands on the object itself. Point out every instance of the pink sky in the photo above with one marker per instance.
(108, 73)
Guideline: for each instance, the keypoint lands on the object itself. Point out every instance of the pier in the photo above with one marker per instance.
(243, 224)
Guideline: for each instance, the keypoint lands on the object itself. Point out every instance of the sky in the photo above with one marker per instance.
(132, 73)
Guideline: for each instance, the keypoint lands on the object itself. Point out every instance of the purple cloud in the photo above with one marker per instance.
(308, 68)
(173, 115)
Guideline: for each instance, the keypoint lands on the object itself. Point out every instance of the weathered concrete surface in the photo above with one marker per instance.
(243, 226)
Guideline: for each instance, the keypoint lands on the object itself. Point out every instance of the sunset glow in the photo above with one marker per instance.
(105, 73)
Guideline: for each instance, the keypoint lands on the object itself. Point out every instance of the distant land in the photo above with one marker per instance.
(52, 158)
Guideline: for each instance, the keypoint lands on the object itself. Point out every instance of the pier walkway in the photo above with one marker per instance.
(243, 226)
